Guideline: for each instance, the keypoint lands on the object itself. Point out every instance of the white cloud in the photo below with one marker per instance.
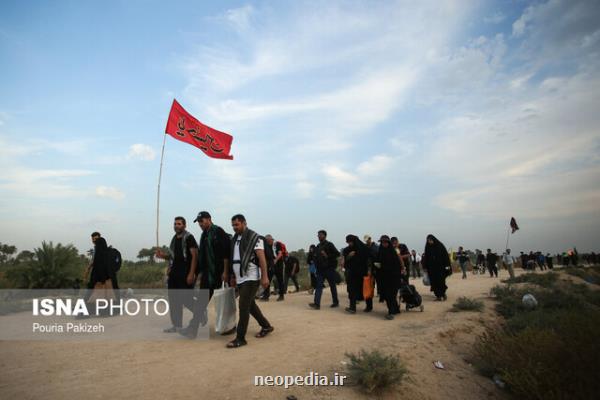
(41, 183)
(370, 177)
(141, 152)
(240, 17)
(375, 165)
(109, 192)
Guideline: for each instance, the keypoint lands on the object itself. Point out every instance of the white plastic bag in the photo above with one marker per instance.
(426, 281)
(225, 308)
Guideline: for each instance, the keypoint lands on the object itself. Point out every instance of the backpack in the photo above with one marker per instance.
(283, 250)
(115, 259)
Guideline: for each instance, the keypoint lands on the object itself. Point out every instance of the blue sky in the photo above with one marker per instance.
(404, 118)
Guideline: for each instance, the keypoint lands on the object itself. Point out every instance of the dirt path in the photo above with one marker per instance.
(304, 340)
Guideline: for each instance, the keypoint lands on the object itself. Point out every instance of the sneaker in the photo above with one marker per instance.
(280, 298)
(350, 310)
(389, 317)
(314, 306)
(334, 305)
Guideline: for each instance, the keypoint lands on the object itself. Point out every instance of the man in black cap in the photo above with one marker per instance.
(213, 260)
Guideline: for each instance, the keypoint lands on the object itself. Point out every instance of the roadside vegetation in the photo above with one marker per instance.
(547, 351)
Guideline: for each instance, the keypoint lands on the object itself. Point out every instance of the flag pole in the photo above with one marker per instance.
(507, 237)
(162, 155)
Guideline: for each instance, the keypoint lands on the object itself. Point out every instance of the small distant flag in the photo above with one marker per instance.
(181, 125)
(513, 225)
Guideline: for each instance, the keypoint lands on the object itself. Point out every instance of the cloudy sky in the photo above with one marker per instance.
(405, 118)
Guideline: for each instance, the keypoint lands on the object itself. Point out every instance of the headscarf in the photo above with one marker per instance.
(387, 256)
(436, 254)
(359, 261)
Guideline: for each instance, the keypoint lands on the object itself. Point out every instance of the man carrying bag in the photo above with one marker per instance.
(250, 268)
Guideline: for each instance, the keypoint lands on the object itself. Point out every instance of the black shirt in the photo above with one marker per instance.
(330, 260)
(221, 245)
(292, 265)
(181, 266)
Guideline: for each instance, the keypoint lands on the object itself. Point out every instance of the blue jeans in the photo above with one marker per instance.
(463, 267)
(328, 274)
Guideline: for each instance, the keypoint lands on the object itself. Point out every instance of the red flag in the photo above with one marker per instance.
(513, 225)
(183, 126)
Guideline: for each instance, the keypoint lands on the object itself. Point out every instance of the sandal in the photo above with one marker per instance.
(264, 332)
(236, 343)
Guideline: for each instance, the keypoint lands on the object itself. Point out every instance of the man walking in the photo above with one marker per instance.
(213, 261)
(250, 269)
(326, 263)
(277, 252)
(463, 259)
(508, 260)
(181, 273)
(292, 267)
(415, 264)
(491, 259)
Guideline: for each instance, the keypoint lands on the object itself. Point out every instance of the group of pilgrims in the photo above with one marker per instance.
(250, 262)
(387, 265)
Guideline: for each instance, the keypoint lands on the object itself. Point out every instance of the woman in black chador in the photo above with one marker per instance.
(437, 264)
(101, 268)
(391, 274)
(356, 256)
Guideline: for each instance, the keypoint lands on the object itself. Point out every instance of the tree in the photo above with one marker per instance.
(6, 251)
(147, 254)
(52, 267)
(25, 256)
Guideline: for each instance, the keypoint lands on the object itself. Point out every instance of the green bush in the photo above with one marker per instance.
(544, 280)
(53, 267)
(553, 360)
(467, 304)
(141, 275)
(549, 352)
(374, 371)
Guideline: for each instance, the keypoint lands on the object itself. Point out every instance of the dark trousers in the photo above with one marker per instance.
(437, 279)
(248, 306)
(281, 282)
(390, 294)
(267, 292)
(415, 269)
(354, 283)
(329, 275)
(313, 281)
(294, 279)
(180, 294)
(379, 281)
(200, 311)
(492, 269)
